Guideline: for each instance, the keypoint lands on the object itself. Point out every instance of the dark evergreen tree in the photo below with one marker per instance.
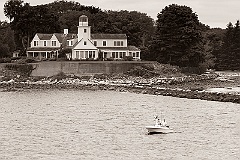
(178, 39)
(7, 44)
(213, 40)
(228, 58)
(27, 20)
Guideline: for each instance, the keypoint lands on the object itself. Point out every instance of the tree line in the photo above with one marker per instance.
(176, 38)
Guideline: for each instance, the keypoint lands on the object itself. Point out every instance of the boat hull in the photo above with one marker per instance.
(158, 129)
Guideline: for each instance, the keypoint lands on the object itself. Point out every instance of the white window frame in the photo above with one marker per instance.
(77, 54)
(104, 43)
(35, 43)
(44, 43)
(54, 43)
(118, 43)
(95, 43)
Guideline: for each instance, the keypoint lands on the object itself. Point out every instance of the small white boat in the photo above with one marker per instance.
(159, 127)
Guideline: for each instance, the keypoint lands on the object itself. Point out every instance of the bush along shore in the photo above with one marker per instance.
(192, 87)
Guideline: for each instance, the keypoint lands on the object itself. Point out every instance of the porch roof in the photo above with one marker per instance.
(42, 49)
(108, 36)
(114, 48)
(133, 48)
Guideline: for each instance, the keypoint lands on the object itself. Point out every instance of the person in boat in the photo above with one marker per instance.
(164, 123)
(158, 122)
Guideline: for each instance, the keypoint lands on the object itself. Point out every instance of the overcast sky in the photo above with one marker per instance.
(215, 13)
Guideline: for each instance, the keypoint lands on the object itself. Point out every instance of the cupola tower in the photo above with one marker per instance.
(84, 31)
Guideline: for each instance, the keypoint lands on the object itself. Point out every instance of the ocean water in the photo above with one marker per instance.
(76, 125)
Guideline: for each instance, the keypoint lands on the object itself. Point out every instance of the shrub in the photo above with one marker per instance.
(140, 71)
(110, 59)
(62, 59)
(5, 60)
(149, 67)
(100, 76)
(22, 69)
(52, 59)
(26, 60)
(59, 76)
(128, 58)
(15, 58)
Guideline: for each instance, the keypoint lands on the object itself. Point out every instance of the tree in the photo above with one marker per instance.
(229, 56)
(178, 39)
(213, 40)
(137, 26)
(27, 20)
(7, 44)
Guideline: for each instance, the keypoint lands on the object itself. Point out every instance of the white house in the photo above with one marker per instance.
(84, 45)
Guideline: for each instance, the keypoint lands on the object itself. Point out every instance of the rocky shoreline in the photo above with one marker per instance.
(183, 87)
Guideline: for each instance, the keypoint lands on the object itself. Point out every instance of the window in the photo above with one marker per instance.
(95, 43)
(81, 54)
(124, 54)
(138, 55)
(35, 43)
(77, 55)
(85, 30)
(90, 54)
(84, 19)
(134, 54)
(104, 43)
(54, 43)
(70, 43)
(120, 54)
(85, 43)
(115, 54)
(118, 43)
(86, 54)
(44, 43)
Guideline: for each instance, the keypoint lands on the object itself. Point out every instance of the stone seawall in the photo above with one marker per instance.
(81, 68)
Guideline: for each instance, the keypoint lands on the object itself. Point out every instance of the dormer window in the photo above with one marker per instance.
(85, 43)
(95, 43)
(70, 43)
(44, 43)
(85, 30)
(54, 43)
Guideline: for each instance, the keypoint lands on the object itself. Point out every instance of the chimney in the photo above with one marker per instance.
(65, 31)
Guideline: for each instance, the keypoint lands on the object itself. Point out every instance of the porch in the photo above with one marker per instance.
(42, 54)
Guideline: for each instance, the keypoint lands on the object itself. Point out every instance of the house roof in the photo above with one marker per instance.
(133, 48)
(60, 36)
(43, 49)
(108, 36)
(113, 48)
(43, 36)
(71, 36)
